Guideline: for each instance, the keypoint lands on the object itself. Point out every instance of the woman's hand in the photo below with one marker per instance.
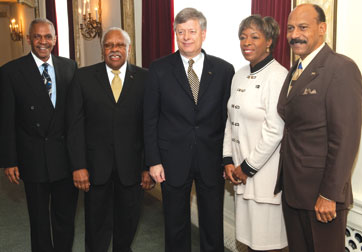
(229, 171)
(239, 175)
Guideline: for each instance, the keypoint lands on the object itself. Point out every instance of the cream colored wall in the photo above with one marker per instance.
(23, 15)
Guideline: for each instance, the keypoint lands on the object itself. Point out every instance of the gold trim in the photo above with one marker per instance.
(128, 24)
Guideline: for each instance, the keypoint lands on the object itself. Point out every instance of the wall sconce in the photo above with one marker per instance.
(16, 33)
(91, 27)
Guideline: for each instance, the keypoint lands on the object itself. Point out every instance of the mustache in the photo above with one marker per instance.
(300, 41)
(114, 54)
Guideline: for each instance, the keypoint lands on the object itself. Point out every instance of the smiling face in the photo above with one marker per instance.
(189, 38)
(305, 33)
(42, 40)
(115, 49)
(253, 45)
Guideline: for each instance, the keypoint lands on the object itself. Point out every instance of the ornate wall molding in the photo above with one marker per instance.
(128, 24)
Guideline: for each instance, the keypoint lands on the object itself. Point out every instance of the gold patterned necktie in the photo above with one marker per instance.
(193, 80)
(116, 84)
(295, 76)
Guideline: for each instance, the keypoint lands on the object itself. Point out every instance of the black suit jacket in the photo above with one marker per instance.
(174, 125)
(32, 130)
(103, 134)
(322, 115)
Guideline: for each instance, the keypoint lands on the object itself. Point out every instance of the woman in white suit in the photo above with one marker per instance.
(252, 138)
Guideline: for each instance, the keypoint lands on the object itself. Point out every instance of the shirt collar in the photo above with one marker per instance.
(39, 62)
(122, 69)
(311, 56)
(196, 58)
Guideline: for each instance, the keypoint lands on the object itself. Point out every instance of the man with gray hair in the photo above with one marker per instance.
(184, 120)
(105, 142)
(32, 131)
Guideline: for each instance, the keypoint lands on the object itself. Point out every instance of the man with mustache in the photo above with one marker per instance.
(105, 142)
(32, 131)
(320, 103)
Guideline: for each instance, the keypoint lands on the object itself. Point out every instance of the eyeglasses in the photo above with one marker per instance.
(111, 46)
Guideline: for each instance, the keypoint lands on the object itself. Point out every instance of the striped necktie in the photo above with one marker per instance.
(193, 80)
(46, 79)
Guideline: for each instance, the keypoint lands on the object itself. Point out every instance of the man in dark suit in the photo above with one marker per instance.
(105, 141)
(320, 103)
(184, 119)
(32, 130)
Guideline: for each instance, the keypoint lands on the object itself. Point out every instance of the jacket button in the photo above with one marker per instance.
(46, 139)
(37, 125)
(32, 107)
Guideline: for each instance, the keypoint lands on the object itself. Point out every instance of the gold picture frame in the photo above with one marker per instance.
(330, 9)
(128, 24)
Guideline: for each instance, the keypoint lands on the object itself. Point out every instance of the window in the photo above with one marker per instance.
(223, 19)
(63, 30)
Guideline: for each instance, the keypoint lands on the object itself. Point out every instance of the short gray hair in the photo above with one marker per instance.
(266, 25)
(43, 21)
(126, 36)
(190, 13)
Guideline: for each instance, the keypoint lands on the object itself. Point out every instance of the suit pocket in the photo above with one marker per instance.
(314, 161)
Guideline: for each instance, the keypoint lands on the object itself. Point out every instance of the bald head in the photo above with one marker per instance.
(306, 30)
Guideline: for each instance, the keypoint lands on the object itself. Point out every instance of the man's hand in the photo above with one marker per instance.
(147, 182)
(239, 175)
(81, 179)
(13, 174)
(325, 209)
(229, 170)
(157, 173)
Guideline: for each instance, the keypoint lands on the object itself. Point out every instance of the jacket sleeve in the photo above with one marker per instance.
(343, 109)
(272, 128)
(8, 153)
(151, 112)
(75, 125)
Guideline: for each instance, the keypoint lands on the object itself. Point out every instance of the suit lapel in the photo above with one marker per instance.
(310, 73)
(207, 76)
(180, 74)
(33, 78)
(102, 79)
(127, 84)
(59, 82)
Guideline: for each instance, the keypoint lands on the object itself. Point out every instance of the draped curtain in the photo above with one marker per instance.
(51, 14)
(279, 10)
(157, 29)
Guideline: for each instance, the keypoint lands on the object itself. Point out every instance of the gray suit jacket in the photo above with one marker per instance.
(322, 117)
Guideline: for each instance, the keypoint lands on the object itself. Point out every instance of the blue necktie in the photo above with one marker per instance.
(47, 80)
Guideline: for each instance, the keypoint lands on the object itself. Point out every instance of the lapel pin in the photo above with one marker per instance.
(210, 73)
(131, 76)
(313, 73)
(257, 86)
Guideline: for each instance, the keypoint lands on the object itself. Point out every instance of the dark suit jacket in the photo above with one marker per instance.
(322, 117)
(103, 134)
(174, 125)
(32, 130)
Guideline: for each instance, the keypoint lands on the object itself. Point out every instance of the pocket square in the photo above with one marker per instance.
(309, 91)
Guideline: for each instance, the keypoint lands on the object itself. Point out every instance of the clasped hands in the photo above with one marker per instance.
(235, 174)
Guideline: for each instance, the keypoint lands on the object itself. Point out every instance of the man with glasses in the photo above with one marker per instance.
(105, 141)
(32, 145)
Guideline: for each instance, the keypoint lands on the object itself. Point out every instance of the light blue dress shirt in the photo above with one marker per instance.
(51, 73)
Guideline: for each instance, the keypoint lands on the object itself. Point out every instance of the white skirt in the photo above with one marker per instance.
(259, 225)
